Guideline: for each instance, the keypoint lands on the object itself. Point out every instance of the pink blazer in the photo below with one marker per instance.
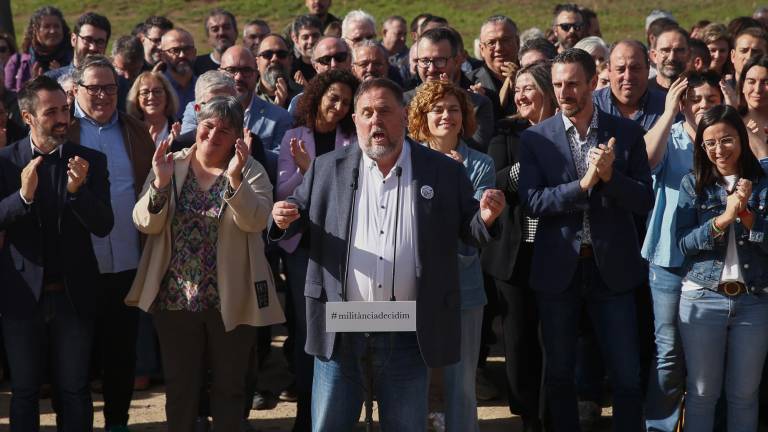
(288, 175)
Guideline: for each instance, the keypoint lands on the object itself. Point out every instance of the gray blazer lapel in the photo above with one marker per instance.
(346, 162)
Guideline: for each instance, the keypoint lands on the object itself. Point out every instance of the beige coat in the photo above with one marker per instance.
(240, 262)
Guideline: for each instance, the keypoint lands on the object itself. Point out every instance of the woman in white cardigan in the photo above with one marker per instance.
(324, 123)
(203, 273)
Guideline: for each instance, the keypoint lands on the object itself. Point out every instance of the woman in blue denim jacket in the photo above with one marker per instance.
(723, 307)
(441, 117)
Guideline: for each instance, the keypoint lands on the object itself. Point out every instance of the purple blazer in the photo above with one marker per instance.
(288, 175)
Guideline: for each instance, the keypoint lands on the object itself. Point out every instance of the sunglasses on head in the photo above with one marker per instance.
(267, 54)
(566, 27)
(339, 57)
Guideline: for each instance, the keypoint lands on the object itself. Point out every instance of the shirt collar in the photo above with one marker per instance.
(641, 103)
(592, 123)
(80, 114)
(36, 150)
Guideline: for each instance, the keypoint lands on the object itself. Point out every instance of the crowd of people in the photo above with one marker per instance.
(161, 211)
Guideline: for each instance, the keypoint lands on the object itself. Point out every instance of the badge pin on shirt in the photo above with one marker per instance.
(427, 192)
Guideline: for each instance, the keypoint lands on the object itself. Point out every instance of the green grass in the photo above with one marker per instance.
(618, 18)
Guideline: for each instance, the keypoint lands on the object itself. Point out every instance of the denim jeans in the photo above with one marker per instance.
(460, 396)
(725, 340)
(614, 320)
(68, 336)
(666, 382)
(303, 363)
(399, 378)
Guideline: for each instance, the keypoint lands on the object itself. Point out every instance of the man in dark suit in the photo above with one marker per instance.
(437, 209)
(584, 174)
(54, 195)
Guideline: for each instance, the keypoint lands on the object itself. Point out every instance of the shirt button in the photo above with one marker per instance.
(741, 242)
(746, 266)
(378, 286)
(703, 206)
(381, 232)
(383, 207)
(380, 258)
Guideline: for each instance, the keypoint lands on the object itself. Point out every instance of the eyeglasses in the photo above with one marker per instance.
(98, 43)
(95, 90)
(156, 92)
(244, 71)
(566, 27)
(439, 62)
(498, 42)
(710, 145)
(268, 54)
(176, 51)
(339, 57)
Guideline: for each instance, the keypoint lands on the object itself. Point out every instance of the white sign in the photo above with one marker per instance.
(370, 317)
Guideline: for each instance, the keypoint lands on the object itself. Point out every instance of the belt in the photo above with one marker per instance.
(731, 289)
(53, 287)
(586, 251)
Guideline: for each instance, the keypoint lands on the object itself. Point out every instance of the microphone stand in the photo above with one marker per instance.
(355, 175)
(369, 348)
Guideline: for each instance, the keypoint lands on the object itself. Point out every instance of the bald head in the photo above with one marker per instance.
(239, 63)
(177, 51)
(331, 53)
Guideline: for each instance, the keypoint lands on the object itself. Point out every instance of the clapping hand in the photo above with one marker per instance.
(29, 179)
(77, 173)
(602, 158)
(281, 92)
(235, 168)
(162, 163)
(300, 155)
(675, 95)
(491, 204)
(284, 213)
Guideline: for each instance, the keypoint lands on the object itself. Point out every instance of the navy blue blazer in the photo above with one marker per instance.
(324, 198)
(549, 189)
(21, 257)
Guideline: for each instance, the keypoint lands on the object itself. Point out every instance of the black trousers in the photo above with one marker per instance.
(522, 348)
(116, 331)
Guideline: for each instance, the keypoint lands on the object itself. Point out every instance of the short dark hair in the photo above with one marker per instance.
(631, 42)
(158, 21)
(566, 7)
(659, 25)
(755, 32)
(397, 18)
(93, 19)
(92, 61)
(27, 96)
(541, 45)
(578, 56)
(705, 173)
(380, 83)
(307, 109)
(414, 26)
(587, 13)
(699, 49)
(739, 24)
(754, 61)
(696, 79)
(258, 22)
(220, 11)
(677, 29)
(439, 34)
(130, 48)
(432, 19)
(304, 21)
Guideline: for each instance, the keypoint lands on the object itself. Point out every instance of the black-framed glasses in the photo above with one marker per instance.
(726, 141)
(156, 92)
(566, 27)
(244, 71)
(95, 90)
(438, 62)
(268, 54)
(339, 57)
(176, 51)
(98, 43)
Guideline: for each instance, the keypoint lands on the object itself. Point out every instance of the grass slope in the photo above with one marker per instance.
(618, 18)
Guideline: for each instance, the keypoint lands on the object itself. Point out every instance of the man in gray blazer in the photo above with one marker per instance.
(436, 209)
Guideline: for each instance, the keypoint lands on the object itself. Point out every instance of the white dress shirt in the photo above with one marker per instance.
(373, 237)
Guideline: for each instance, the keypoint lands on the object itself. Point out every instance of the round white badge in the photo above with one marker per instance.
(427, 192)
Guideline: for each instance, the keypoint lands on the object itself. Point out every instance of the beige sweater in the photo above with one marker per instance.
(240, 262)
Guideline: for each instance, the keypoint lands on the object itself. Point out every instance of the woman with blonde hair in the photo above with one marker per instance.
(441, 117)
(153, 100)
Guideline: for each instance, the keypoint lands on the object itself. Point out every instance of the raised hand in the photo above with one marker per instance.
(299, 78)
(456, 156)
(675, 95)
(247, 138)
(234, 170)
(729, 94)
(509, 69)
(300, 155)
(29, 179)
(477, 88)
(162, 163)
(281, 92)
(77, 173)
(491, 204)
(284, 213)
(602, 158)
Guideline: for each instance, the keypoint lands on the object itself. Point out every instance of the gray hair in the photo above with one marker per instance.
(356, 16)
(226, 108)
(591, 44)
(530, 34)
(210, 81)
(500, 19)
(368, 43)
(92, 61)
(130, 48)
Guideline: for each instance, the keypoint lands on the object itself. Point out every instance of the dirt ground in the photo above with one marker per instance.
(148, 414)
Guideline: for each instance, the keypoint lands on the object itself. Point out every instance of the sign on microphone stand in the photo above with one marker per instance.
(370, 317)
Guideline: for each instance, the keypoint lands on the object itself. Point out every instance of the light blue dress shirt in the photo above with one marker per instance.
(118, 251)
(660, 245)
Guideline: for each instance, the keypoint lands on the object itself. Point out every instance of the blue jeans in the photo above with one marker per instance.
(68, 336)
(460, 396)
(303, 363)
(400, 383)
(614, 320)
(666, 383)
(725, 339)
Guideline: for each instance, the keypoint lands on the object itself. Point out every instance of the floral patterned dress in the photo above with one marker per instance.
(190, 282)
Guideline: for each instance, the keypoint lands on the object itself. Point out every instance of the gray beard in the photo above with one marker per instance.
(377, 152)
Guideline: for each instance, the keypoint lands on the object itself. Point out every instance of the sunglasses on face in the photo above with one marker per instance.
(566, 27)
(326, 60)
(268, 54)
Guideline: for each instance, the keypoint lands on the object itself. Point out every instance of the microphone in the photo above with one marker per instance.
(345, 283)
(399, 174)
